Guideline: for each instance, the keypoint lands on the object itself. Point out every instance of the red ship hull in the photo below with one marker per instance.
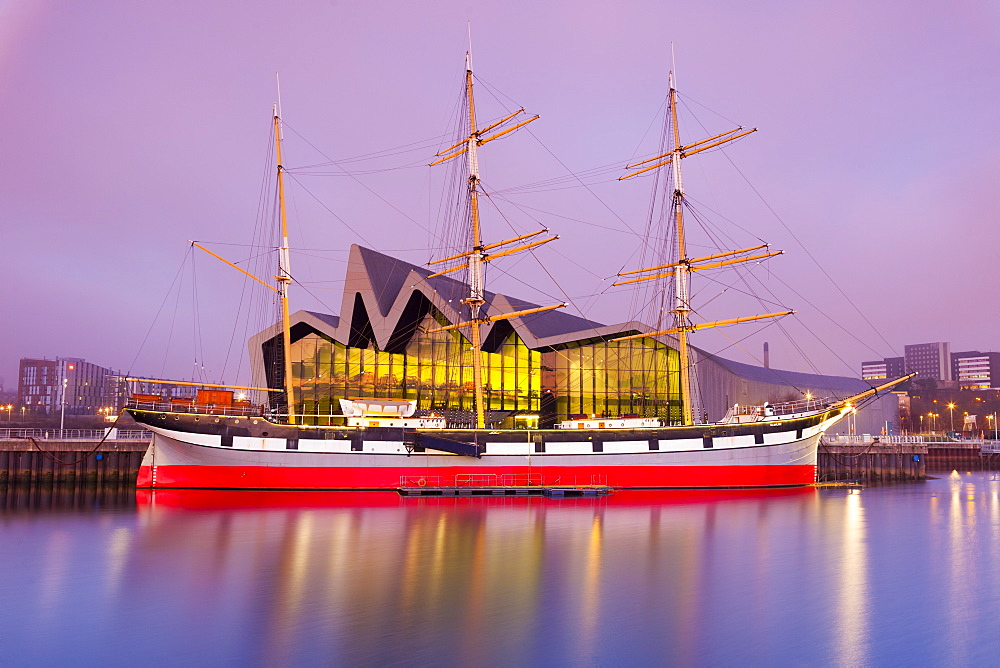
(207, 452)
(392, 477)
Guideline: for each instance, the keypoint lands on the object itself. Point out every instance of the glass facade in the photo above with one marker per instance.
(635, 377)
(609, 379)
(436, 369)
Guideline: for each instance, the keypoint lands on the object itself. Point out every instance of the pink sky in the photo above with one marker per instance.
(132, 127)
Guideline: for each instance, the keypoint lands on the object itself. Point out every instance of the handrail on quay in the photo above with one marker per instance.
(990, 447)
(865, 439)
(79, 434)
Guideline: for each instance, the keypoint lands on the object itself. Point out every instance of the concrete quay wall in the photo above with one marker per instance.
(871, 462)
(39, 460)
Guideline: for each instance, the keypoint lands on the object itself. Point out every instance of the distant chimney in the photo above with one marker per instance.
(767, 357)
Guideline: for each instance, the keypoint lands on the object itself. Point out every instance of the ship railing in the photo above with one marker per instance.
(420, 481)
(503, 480)
(477, 480)
(801, 406)
(783, 408)
(866, 439)
(522, 480)
(201, 409)
(78, 434)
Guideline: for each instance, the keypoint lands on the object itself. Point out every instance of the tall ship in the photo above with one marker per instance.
(426, 379)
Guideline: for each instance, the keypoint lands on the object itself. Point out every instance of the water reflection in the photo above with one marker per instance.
(853, 623)
(539, 578)
(790, 577)
(51, 496)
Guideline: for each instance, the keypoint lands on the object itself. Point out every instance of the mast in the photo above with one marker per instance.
(284, 277)
(475, 259)
(685, 265)
(476, 298)
(683, 303)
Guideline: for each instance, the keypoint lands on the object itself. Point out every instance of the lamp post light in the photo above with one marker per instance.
(951, 412)
(921, 423)
(62, 409)
(9, 407)
(62, 413)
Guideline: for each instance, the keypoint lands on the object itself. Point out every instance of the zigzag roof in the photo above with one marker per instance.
(393, 296)
(391, 292)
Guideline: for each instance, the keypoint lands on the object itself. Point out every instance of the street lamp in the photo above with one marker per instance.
(921, 423)
(9, 407)
(62, 408)
(951, 412)
(62, 413)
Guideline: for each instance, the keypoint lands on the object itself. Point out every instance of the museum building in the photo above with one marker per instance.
(537, 370)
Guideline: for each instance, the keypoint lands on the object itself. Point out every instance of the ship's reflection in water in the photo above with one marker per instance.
(685, 578)
(360, 577)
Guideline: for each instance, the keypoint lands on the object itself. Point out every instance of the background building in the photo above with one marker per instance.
(45, 386)
(890, 367)
(969, 370)
(929, 360)
(975, 370)
(37, 386)
(552, 364)
(86, 388)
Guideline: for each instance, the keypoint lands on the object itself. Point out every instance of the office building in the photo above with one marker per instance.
(975, 370)
(888, 368)
(46, 386)
(929, 360)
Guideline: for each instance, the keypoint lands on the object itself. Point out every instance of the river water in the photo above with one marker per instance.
(901, 574)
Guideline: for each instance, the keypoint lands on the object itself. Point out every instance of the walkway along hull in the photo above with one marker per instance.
(207, 451)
